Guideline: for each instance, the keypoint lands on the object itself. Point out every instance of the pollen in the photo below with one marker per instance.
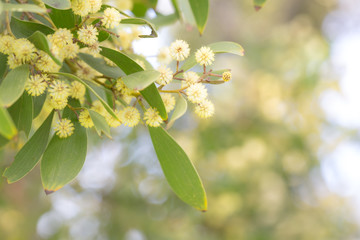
(204, 56)
(64, 128)
(179, 50)
(152, 117)
(196, 93)
(205, 109)
(169, 101)
(59, 89)
(88, 34)
(130, 116)
(85, 119)
(111, 18)
(36, 85)
(166, 75)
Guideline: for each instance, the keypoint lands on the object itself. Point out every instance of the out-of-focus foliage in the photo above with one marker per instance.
(258, 157)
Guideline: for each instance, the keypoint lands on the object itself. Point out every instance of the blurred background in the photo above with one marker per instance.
(279, 160)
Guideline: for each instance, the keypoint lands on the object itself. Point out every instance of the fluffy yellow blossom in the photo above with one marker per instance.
(59, 90)
(191, 78)
(196, 93)
(152, 117)
(24, 50)
(61, 38)
(77, 90)
(111, 18)
(88, 34)
(164, 56)
(6, 44)
(45, 63)
(166, 75)
(129, 116)
(58, 103)
(85, 119)
(169, 101)
(81, 7)
(98, 107)
(122, 88)
(69, 51)
(64, 128)
(94, 49)
(86, 72)
(13, 62)
(205, 109)
(95, 5)
(205, 56)
(37, 84)
(112, 121)
(179, 50)
(226, 76)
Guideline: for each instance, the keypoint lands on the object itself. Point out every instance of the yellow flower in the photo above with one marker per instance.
(152, 117)
(69, 51)
(81, 7)
(166, 75)
(98, 107)
(6, 44)
(111, 18)
(85, 119)
(13, 62)
(45, 63)
(59, 89)
(196, 93)
(86, 72)
(36, 85)
(122, 88)
(24, 50)
(226, 76)
(130, 116)
(95, 5)
(179, 50)
(191, 78)
(77, 90)
(169, 101)
(61, 38)
(58, 103)
(205, 109)
(112, 121)
(64, 128)
(88, 34)
(204, 56)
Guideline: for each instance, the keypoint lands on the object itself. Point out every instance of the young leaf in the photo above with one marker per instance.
(179, 111)
(200, 10)
(258, 4)
(7, 126)
(62, 18)
(11, 7)
(41, 42)
(218, 47)
(141, 80)
(103, 102)
(30, 154)
(100, 123)
(180, 173)
(12, 87)
(22, 113)
(129, 66)
(24, 29)
(64, 157)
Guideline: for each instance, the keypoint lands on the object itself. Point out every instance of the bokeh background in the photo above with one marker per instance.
(280, 159)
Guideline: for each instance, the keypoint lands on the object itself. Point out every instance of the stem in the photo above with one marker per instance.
(8, 24)
(59, 114)
(47, 19)
(110, 32)
(177, 66)
(174, 91)
(74, 110)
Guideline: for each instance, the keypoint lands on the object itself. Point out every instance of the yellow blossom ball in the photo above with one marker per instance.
(152, 117)
(88, 34)
(13, 62)
(205, 109)
(36, 84)
(169, 101)
(24, 50)
(64, 128)
(226, 76)
(61, 37)
(196, 93)
(59, 90)
(77, 90)
(122, 88)
(45, 63)
(205, 56)
(58, 103)
(81, 7)
(129, 116)
(95, 5)
(112, 121)
(166, 75)
(179, 50)
(6, 44)
(191, 78)
(111, 18)
(85, 119)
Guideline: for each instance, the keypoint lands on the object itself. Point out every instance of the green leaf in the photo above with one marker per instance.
(30, 154)
(100, 123)
(22, 8)
(103, 102)
(258, 4)
(22, 113)
(64, 157)
(179, 111)
(62, 18)
(141, 80)
(140, 21)
(3, 65)
(3, 141)
(59, 4)
(180, 173)
(164, 20)
(38, 104)
(13, 85)
(186, 11)
(7, 126)
(200, 10)
(100, 65)
(24, 29)
(41, 42)
(218, 47)
(137, 57)
(129, 66)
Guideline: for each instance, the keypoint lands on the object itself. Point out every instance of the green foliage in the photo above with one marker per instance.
(22, 113)
(7, 126)
(141, 80)
(200, 10)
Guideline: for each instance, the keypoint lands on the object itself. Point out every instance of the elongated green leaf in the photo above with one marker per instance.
(64, 157)
(138, 58)
(30, 154)
(258, 4)
(3, 65)
(12, 87)
(140, 21)
(100, 123)
(186, 11)
(164, 20)
(38, 104)
(103, 102)
(179, 111)
(7, 126)
(100, 65)
(180, 173)
(22, 113)
(218, 47)
(24, 29)
(129, 66)
(22, 8)
(41, 42)
(59, 4)
(141, 80)
(200, 10)
(62, 18)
